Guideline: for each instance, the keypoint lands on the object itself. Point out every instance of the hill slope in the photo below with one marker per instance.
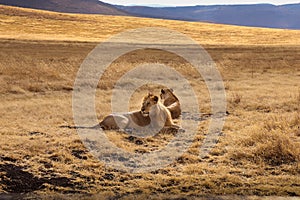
(68, 6)
(45, 25)
(256, 15)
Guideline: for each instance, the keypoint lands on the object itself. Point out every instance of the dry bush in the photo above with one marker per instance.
(276, 149)
(271, 142)
(273, 148)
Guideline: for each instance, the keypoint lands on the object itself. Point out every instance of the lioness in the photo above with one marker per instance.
(159, 114)
(171, 102)
(131, 120)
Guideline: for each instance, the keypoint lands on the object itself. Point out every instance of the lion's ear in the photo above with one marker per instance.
(171, 90)
(155, 98)
(150, 94)
(162, 91)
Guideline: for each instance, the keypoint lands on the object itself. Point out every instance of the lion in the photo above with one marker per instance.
(153, 114)
(171, 102)
(130, 120)
(159, 114)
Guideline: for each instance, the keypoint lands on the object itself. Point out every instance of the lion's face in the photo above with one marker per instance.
(166, 93)
(148, 102)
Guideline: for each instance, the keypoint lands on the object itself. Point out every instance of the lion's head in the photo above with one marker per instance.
(166, 93)
(148, 101)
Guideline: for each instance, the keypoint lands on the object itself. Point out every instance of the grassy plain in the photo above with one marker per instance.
(257, 154)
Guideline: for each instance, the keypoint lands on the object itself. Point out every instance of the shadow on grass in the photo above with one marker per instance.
(16, 180)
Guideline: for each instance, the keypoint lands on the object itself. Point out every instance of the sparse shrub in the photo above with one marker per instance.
(272, 148)
(276, 149)
(272, 143)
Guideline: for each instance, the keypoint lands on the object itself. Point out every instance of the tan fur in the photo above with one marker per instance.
(129, 120)
(159, 114)
(171, 102)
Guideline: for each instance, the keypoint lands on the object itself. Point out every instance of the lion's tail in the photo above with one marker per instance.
(81, 127)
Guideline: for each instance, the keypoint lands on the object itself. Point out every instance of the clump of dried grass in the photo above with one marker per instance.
(275, 148)
(269, 147)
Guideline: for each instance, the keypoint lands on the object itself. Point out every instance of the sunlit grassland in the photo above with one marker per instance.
(257, 154)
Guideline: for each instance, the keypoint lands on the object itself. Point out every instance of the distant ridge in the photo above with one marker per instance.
(256, 15)
(253, 15)
(67, 6)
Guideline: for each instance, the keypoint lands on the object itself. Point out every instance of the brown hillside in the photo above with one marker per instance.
(68, 6)
(44, 25)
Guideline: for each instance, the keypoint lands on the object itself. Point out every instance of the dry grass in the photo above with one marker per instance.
(18, 23)
(258, 153)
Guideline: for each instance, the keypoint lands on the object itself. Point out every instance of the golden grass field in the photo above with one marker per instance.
(258, 153)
